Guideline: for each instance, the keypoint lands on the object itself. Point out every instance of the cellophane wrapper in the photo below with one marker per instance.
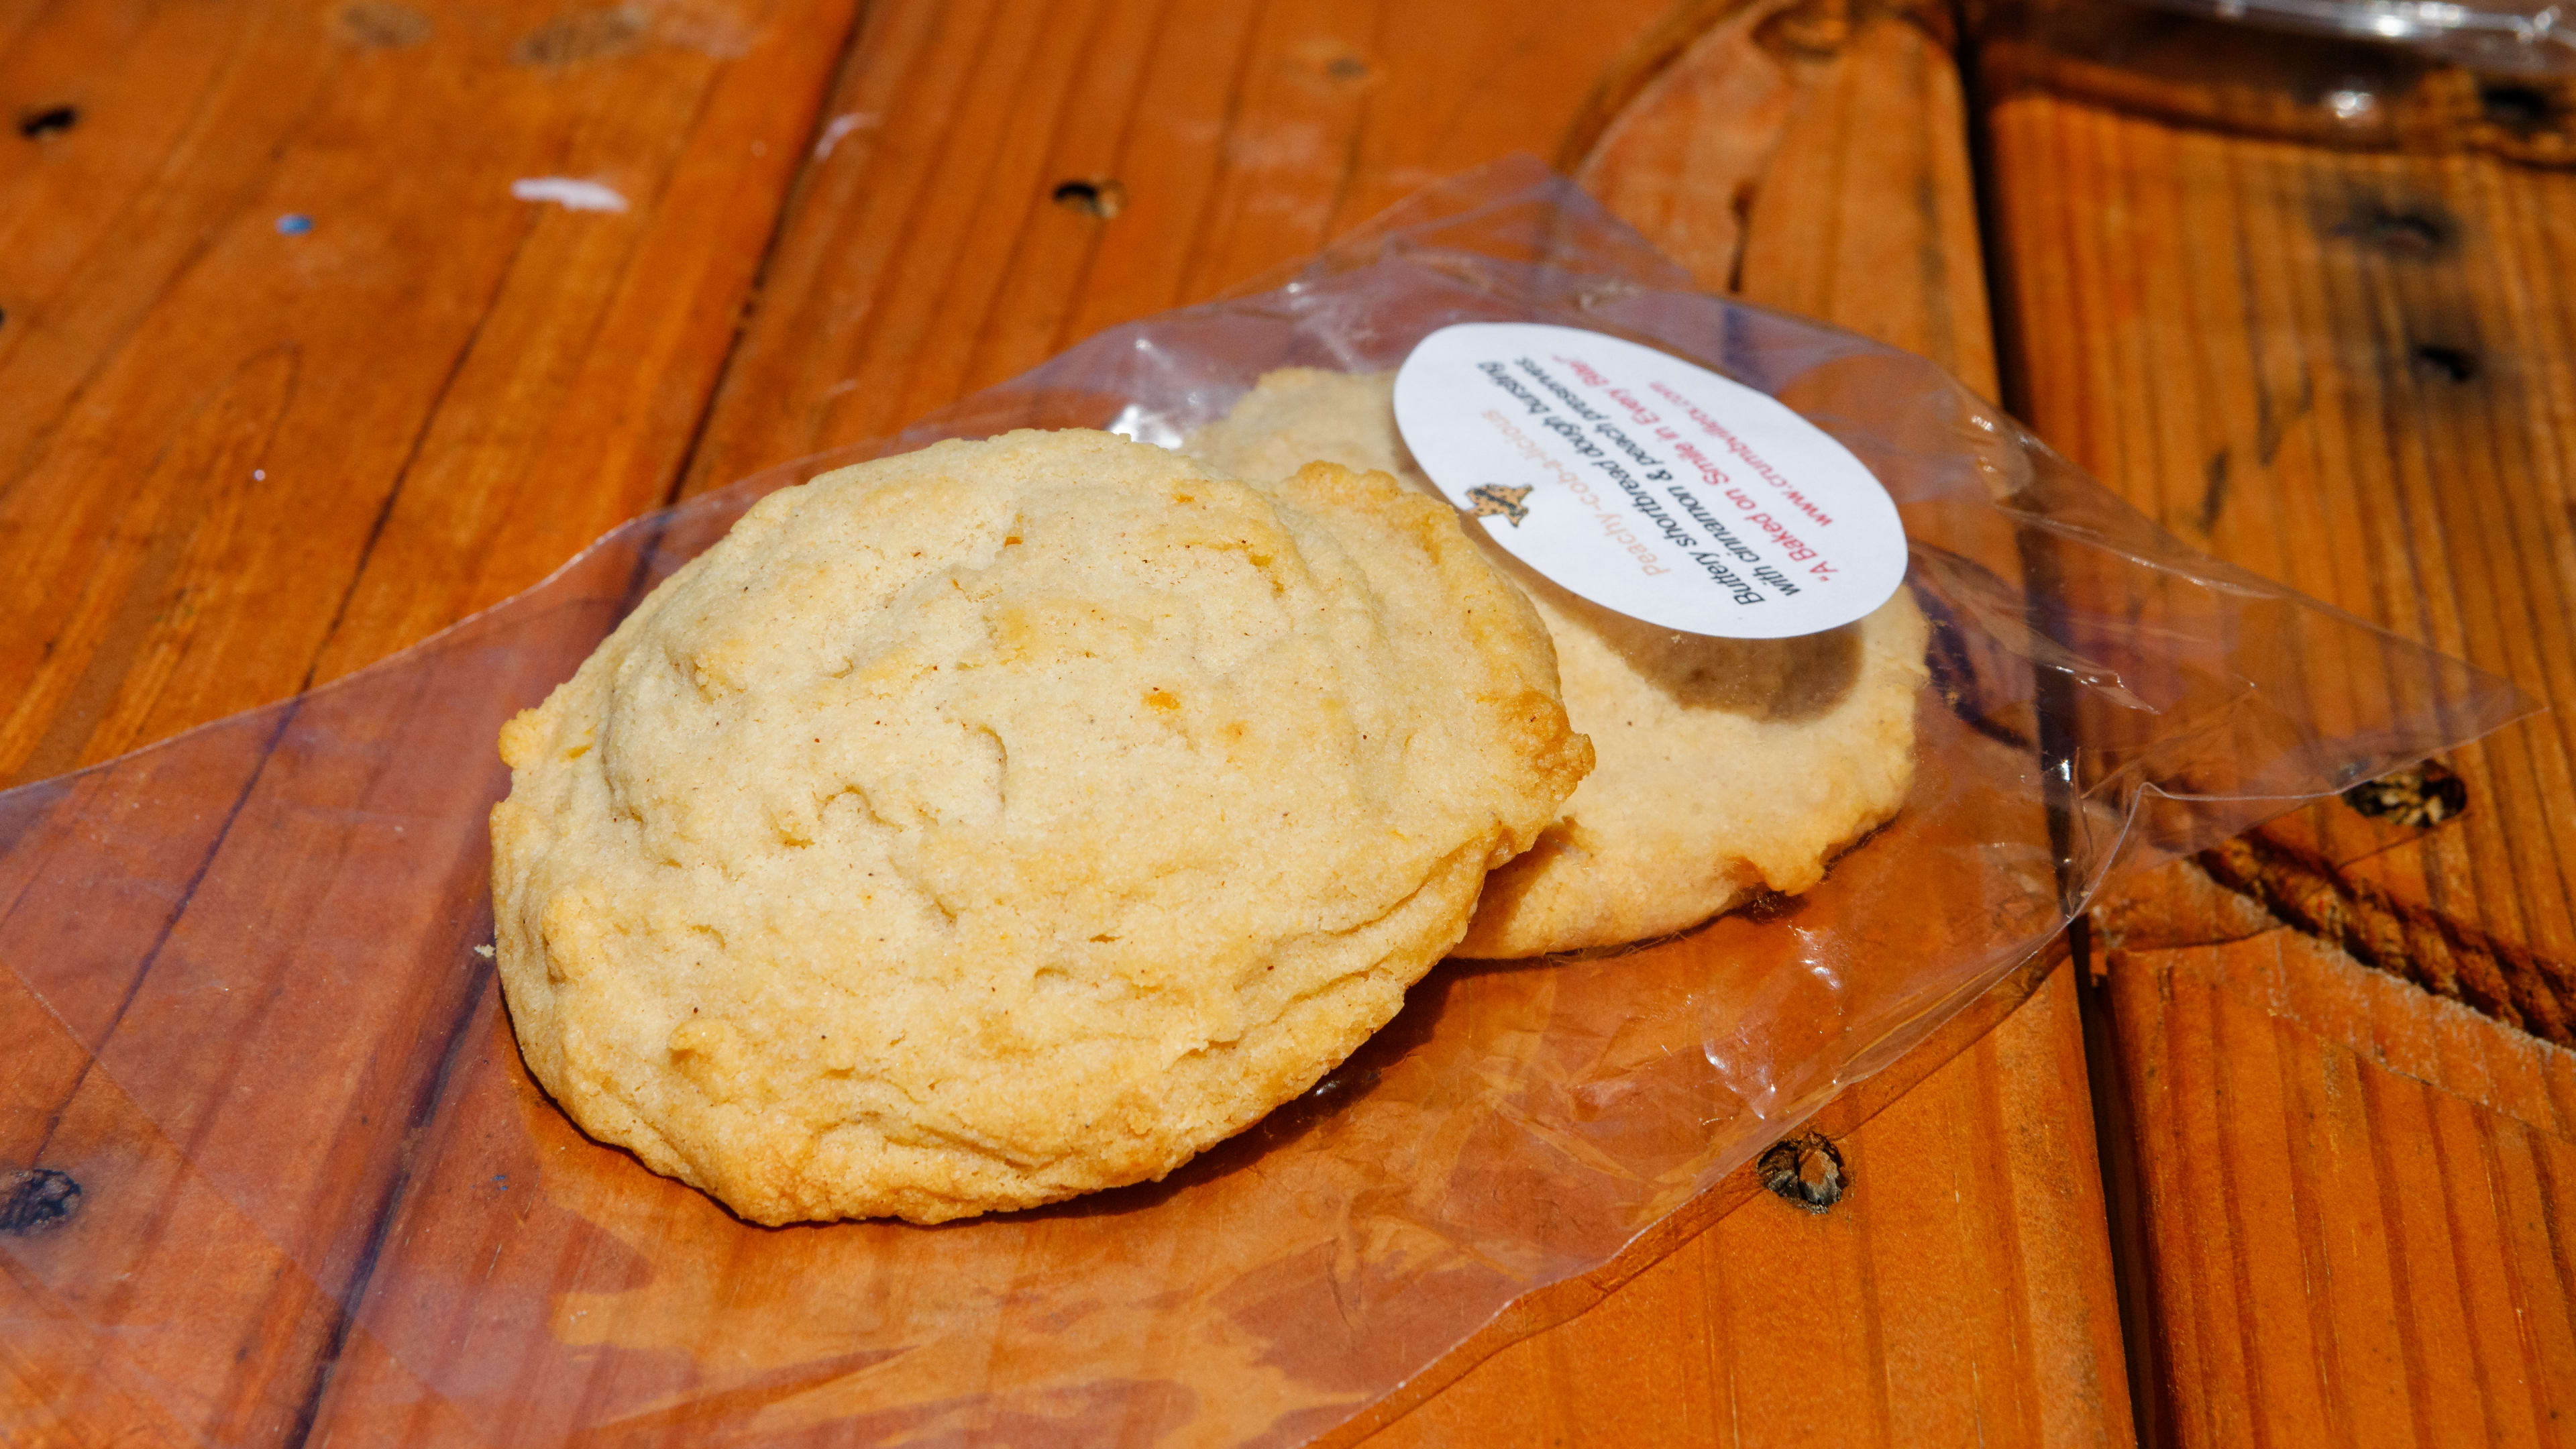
(256, 1030)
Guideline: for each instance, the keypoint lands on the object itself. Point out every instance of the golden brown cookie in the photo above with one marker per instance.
(997, 822)
(1725, 766)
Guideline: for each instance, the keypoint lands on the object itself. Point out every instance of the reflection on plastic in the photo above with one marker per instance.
(321, 1200)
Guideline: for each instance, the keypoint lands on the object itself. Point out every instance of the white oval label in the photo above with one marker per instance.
(1648, 484)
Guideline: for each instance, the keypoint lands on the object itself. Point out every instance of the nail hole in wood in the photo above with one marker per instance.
(2420, 796)
(39, 1199)
(1806, 1171)
(1347, 68)
(46, 121)
(1103, 199)
(2514, 107)
(2453, 363)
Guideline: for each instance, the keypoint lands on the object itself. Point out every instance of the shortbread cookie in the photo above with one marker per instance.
(982, 826)
(1726, 767)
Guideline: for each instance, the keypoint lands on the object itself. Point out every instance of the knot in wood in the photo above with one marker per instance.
(38, 1199)
(2420, 796)
(1806, 1170)
(2516, 107)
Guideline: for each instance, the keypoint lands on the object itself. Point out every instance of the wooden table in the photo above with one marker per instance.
(289, 379)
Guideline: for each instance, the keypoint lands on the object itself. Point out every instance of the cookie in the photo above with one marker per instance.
(1006, 820)
(1726, 767)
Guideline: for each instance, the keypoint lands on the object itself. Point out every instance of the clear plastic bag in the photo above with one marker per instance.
(277, 1071)
(2499, 35)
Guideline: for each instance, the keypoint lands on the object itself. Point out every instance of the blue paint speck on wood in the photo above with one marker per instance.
(294, 223)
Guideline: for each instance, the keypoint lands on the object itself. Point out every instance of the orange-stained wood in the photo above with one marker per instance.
(2344, 363)
(288, 379)
(447, 389)
(924, 256)
(1958, 1295)
(1807, 156)
(2408, 1157)
(2348, 370)
(233, 460)
(1800, 155)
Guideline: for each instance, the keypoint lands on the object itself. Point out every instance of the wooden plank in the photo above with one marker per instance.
(1961, 1293)
(2353, 1192)
(2307, 305)
(242, 452)
(2231, 329)
(438, 384)
(1816, 160)
(1782, 150)
(923, 257)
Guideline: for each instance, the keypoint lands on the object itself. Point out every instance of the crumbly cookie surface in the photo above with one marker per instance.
(1006, 820)
(1726, 767)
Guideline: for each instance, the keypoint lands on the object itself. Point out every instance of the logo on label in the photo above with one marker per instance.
(1485, 500)
(1674, 495)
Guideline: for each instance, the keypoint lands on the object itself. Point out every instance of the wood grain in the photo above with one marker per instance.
(924, 257)
(347, 437)
(439, 384)
(2232, 330)
(1958, 1295)
(2411, 1157)
(236, 459)
(1814, 158)
(2332, 348)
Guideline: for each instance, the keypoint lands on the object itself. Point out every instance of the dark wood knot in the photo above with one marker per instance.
(2421, 796)
(39, 1198)
(1806, 1170)
(2518, 108)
